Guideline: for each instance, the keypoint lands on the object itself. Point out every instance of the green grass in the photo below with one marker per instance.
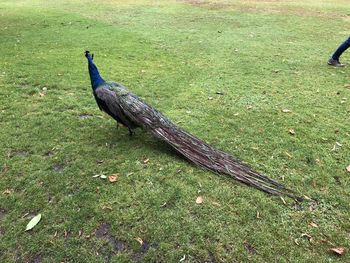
(264, 56)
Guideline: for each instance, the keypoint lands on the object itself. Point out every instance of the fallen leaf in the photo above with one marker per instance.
(138, 239)
(288, 154)
(313, 224)
(96, 175)
(183, 258)
(348, 168)
(307, 198)
(284, 201)
(112, 178)
(32, 223)
(199, 200)
(146, 161)
(285, 110)
(338, 250)
(249, 107)
(210, 98)
(41, 94)
(25, 215)
(291, 131)
(216, 203)
(314, 184)
(7, 191)
(5, 168)
(103, 176)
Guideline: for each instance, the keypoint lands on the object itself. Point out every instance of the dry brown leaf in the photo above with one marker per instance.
(348, 168)
(307, 198)
(313, 224)
(313, 183)
(216, 203)
(138, 239)
(338, 250)
(289, 155)
(41, 94)
(8, 191)
(291, 131)
(199, 200)
(112, 178)
(5, 168)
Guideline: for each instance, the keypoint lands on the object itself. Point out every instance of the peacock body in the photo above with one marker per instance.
(129, 110)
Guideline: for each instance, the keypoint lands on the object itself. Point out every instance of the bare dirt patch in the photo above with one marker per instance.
(249, 248)
(142, 252)
(115, 246)
(265, 6)
(58, 168)
(20, 153)
(3, 213)
(38, 258)
(104, 232)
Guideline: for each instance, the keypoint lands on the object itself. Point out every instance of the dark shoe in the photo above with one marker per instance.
(335, 63)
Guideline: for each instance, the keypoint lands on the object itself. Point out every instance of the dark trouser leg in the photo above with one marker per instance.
(341, 49)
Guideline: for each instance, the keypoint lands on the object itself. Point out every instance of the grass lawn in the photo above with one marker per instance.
(224, 71)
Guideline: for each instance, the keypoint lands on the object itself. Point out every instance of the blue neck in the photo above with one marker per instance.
(95, 77)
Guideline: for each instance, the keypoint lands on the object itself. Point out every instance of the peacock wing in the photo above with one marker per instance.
(110, 104)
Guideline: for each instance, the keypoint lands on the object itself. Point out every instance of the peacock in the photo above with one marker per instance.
(129, 110)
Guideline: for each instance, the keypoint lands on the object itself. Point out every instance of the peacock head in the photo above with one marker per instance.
(88, 55)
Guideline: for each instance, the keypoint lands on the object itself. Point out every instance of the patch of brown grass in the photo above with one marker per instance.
(284, 7)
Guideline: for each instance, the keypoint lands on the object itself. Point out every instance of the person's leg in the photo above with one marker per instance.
(344, 46)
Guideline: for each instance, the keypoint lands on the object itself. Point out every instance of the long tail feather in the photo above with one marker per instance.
(204, 155)
(196, 150)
